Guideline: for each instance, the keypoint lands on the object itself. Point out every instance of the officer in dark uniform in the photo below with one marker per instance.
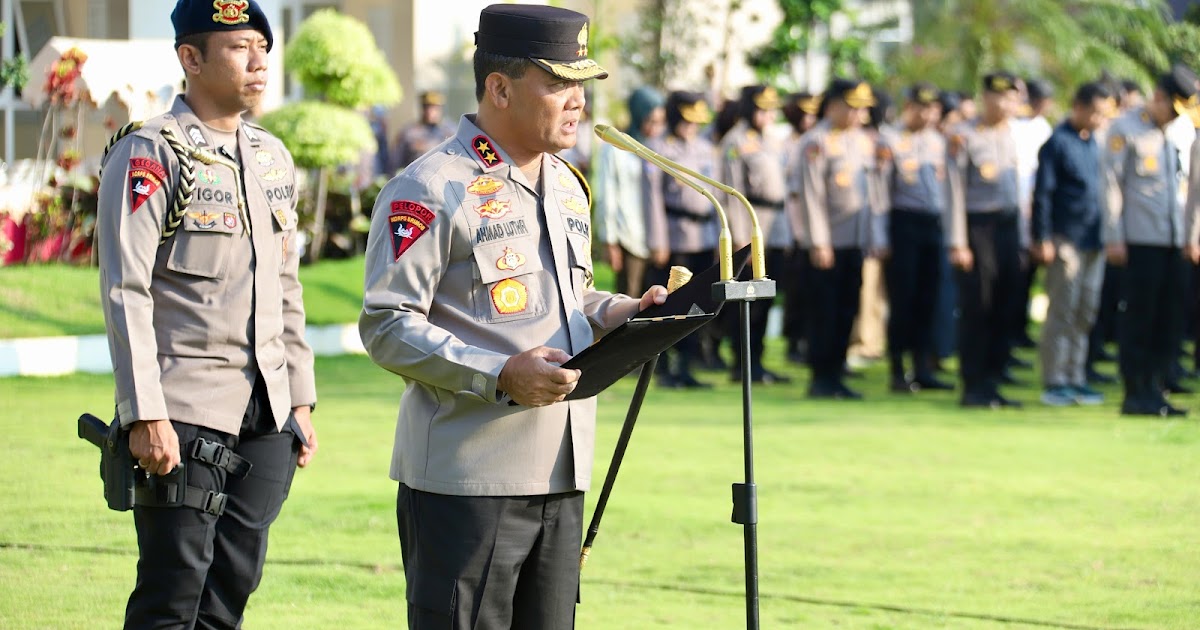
(752, 162)
(982, 231)
(913, 171)
(196, 228)
(1145, 233)
(836, 168)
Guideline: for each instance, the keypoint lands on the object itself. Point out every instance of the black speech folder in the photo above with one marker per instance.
(650, 332)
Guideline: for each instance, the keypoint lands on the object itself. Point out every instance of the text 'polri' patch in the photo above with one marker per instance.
(146, 176)
(408, 222)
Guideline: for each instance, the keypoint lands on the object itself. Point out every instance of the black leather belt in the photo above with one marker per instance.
(688, 215)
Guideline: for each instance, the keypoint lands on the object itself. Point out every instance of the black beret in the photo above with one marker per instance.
(687, 106)
(554, 38)
(856, 94)
(1000, 82)
(923, 93)
(204, 16)
(1180, 85)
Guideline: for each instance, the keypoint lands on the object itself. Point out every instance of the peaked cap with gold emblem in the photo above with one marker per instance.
(1179, 84)
(687, 106)
(554, 38)
(1000, 82)
(191, 17)
(856, 94)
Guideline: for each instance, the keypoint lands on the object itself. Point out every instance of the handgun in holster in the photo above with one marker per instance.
(116, 464)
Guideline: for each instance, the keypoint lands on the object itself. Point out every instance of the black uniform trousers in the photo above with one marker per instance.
(986, 294)
(490, 563)
(775, 258)
(914, 276)
(679, 361)
(835, 296)
(796, 302)
(195, 569)
(1151, 323)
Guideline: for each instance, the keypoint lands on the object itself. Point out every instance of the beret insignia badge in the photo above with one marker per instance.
(231, 12)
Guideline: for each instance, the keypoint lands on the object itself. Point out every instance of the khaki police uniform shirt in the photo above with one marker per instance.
(913, 169)
(1142, 179)
(836, 168)
(678, 218)
(417, 138)
(982, 173)
(752, 163)
(1192, 209)
(192, 321)
(793, 204)
(467, 265)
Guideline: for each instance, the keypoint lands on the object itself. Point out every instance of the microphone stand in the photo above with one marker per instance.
(742, 292)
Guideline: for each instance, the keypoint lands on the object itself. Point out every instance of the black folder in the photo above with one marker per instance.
(651, 331)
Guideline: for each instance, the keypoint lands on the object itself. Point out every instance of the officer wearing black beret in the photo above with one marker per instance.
(478, 289)
(199, 260)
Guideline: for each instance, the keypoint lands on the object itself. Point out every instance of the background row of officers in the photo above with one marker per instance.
(944, 204)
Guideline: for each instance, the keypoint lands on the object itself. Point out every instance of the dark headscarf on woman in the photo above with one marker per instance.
(642, 102)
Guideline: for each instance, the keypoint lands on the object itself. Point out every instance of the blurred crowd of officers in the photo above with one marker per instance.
(913, 231)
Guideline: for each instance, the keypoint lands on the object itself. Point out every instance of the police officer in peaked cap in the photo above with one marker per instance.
(196, 232)
(478, 288)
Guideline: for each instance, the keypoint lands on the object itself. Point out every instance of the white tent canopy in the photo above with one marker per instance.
(143, 75)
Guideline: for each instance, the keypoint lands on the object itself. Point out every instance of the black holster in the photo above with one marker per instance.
(116, 464)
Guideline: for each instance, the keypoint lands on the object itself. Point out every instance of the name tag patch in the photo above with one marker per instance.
(146, 176)
(408, 222)
(497, 231)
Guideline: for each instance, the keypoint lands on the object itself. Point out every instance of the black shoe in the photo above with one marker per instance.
(767, 377)
(1008, 402)
(1142, 407)
(1017, 363)
(824, 390)
(848, 394)
(980, 400)
(1006, 378)
(931, 382)
(1024, 341)
(1175, 387)
(687, 381)
(901, 385)
(1097, 378)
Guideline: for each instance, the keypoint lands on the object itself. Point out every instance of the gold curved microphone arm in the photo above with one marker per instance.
(625, 143)
(758, 259)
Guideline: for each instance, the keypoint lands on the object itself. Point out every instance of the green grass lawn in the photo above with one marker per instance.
(52, 300)
(898, 512)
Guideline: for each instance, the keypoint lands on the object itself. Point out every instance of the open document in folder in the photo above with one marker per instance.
(650, 332)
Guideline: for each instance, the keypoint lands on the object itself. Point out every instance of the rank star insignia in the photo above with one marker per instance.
(483, 148)
(510, 297)
(575, 205)
(231, 12)
(493, 209)
(484, 185)
(510, 260)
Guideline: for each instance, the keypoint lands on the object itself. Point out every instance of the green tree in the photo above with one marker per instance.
(335, 58)
(1066, 41)
(805, 27)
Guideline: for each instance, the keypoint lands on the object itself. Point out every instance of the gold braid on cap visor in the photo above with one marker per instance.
(860, 97)
(697, 112)
(575, 70)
